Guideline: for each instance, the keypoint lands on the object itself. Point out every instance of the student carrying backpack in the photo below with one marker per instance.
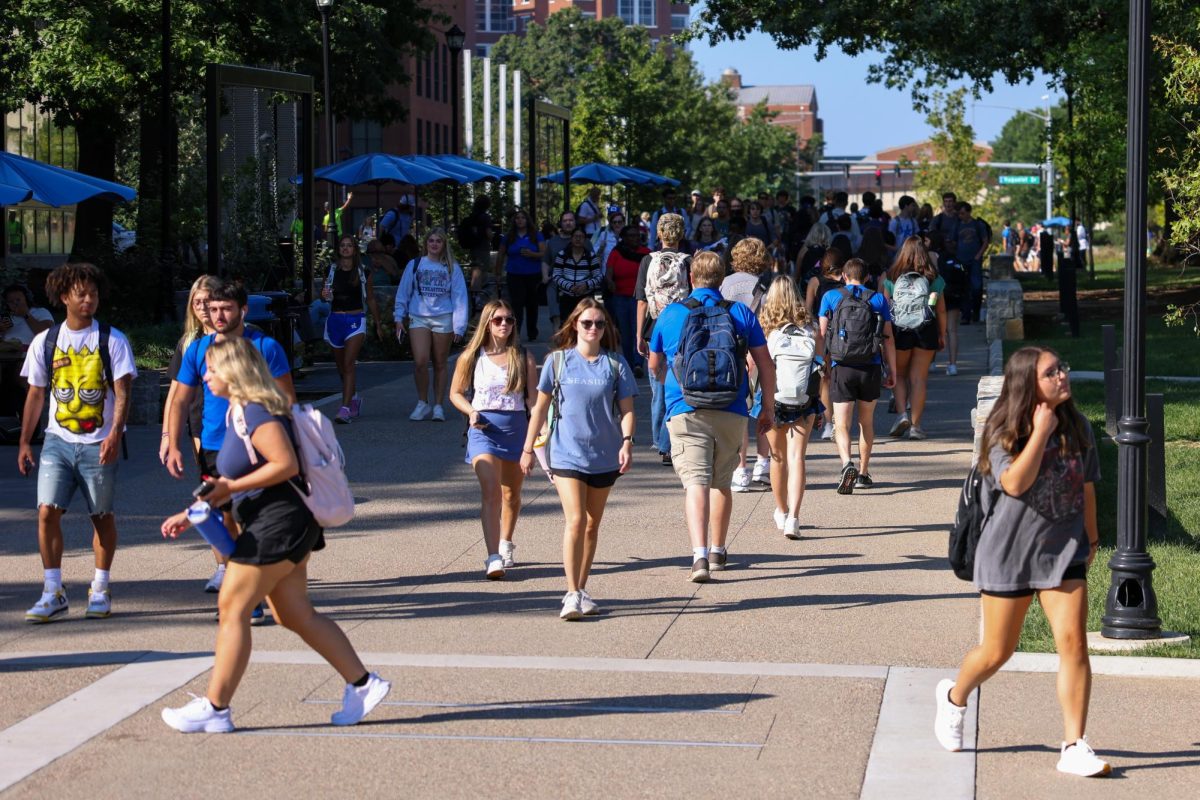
(910, 301)
(666, 281)
(855, 329)
(710, 364)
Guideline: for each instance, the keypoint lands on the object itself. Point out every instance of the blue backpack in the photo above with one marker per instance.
(710, 364)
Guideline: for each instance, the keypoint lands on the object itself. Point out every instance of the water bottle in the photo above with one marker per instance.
(211, 527)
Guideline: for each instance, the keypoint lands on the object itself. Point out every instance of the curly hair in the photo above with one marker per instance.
(783, 306)
(749, 255)
(66, 277)
(670, 229)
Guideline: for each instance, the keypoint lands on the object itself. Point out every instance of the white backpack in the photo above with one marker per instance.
(795, 350)
(910, 301)
(666, 281)
(322, 464)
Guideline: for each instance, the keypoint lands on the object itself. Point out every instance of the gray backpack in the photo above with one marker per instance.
(910, 301)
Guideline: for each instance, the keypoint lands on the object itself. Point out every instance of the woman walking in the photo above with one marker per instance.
(793, 342)
(577, 272)
(829, 279)
(345, 330)
(1041, 537)
(495, 371)
(916, 293)
(383, 278)
(591, 439)
(622, 271)
(433, 298)
(808, 260)
(270, 555)
(522, 250)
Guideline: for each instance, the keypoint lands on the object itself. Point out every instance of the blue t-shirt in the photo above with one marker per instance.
(665, 340)
(518, 264)
(878, 302)
(193, 367)
(587, 437)
(233, 460)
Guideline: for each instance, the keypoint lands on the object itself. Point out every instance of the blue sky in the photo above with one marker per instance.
(860, 118)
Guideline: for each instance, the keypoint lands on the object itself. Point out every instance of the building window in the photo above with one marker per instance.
(588, 14)
(420, 138)
(637, 12)
(483, 50)
(420, 73)
(494, 16)
(428, 75)
(34, 135)
(366, 136)
(429, 142)
(679, 22)
(445, 74)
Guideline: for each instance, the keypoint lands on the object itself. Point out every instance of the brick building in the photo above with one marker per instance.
(795, 105)
(661, 17)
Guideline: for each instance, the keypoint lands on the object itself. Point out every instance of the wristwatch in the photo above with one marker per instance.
(627, 439)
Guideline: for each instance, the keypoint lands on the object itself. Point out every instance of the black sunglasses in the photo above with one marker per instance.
(499, 320)
(588, 324)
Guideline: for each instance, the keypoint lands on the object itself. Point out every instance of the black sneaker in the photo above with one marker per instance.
(667, 462)
(864, 481)
(716, 561)
(849, 476)
(699, 571)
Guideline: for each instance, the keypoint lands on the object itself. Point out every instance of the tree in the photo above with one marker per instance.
(953, 149)
(1023, 139)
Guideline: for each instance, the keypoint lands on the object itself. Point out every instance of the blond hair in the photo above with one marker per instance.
(439, 232)
(239, 363)
(707, 270)
(670, 229)
(749, 255)
(464, 371)
(193, 326)
(783, 306)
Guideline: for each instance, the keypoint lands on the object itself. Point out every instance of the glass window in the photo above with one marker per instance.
(366, 136)
(637, 12)
(482, 50)
(679, 22)
(34, 135)
(420, 138)
(420, 74)
(646, 13)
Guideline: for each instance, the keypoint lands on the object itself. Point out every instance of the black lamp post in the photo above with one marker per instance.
(167, 123)
(1131, 610)
(326, 7)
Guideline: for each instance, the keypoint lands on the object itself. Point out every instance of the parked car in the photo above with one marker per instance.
(122, 237)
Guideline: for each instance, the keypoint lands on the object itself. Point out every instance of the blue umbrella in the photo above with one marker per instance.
(51, 185)
(1057, 222)
(598, 172)
(475, 171)
(376, 168)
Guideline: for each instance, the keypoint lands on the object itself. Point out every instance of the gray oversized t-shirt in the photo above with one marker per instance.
(1031, 540)
(587, 437)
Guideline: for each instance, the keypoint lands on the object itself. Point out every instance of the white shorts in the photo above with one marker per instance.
(442, 323)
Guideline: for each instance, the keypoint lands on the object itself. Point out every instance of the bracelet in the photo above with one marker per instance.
(527, 452)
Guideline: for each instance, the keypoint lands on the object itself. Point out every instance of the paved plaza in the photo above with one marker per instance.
(804, 670)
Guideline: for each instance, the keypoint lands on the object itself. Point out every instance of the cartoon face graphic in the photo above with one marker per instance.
(79, 390)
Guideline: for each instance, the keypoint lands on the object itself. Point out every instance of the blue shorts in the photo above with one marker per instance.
(63, 467)
(341, 327)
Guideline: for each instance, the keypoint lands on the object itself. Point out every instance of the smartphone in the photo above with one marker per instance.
(204, 489)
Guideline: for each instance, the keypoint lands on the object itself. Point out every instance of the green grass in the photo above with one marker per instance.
(1110, 274)
(153, 345)
(1169, 351)
(1177, 555)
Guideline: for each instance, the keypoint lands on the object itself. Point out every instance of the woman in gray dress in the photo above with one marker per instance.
(1041, 537)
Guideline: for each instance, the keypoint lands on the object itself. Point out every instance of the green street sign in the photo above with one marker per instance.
(1020, 180)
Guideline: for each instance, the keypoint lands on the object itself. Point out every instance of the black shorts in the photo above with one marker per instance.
(850, 383)
(599, 480)
(276, 526)
(923, 338)
(790, 415)
(206, 461)
(1075, 572)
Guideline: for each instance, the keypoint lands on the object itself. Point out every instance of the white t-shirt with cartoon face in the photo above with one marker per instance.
(81, 405)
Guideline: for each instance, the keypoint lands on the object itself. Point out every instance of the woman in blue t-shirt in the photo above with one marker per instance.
(522, 251)
(591, 435)
(258, 467)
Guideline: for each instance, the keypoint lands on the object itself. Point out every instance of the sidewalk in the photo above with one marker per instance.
(806, 668)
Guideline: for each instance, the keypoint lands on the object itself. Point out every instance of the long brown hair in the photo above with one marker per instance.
(567, 336)
(1011, 421)
(913, 257)
(464, 371)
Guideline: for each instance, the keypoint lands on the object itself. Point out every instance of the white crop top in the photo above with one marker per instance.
(490, 381)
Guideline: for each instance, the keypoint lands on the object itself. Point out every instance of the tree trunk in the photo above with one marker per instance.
(149, 237)
(98, 158)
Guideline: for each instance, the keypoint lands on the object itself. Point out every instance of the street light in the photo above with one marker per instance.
(326, 7)
(1046, 118)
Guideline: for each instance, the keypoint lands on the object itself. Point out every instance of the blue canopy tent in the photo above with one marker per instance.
(607, 174)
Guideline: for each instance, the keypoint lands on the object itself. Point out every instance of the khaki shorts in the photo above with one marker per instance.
(704, 446)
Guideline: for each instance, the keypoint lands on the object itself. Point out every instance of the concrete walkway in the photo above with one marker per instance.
(807, 668)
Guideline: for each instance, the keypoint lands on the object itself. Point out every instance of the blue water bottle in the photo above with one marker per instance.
(211, 527)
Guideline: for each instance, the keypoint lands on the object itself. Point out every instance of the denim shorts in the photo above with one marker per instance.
(340, 327)
(63, 467)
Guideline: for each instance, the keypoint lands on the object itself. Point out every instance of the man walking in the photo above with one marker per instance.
(706, 408)
(973, 240)
(668, 207)
(88, 367)
(588, 215)
(856, 324)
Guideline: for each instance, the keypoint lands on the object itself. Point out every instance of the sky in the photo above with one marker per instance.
(860, 118)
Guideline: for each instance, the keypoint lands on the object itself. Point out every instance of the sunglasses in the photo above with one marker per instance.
(498, 320)
(588, 324)
(1061, 368)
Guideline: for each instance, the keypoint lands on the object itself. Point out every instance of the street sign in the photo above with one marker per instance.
(1020, 180)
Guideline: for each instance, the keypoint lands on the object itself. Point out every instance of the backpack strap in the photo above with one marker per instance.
(48, 352)
(105, 356)
(237, 416)
(692, 303)
(557, 359)
(614, 374)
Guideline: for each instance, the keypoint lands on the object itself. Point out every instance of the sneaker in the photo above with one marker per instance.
(50, 607)
(948, 725)
(898, 429)
(99, 604)
(198, 716)
(951, 369)
(439, 413)
(741, 480)
(699, 571)
(214, 583)
(507, 550)
(572, 607)
(717, 561)
(667, 461)
(827, 431)
(916, 433)
(355, 406)
(780, 518)
(259, 615)
(1080, 759)
(494, 567)
(863, 481)
(849, 476)
(358, 701)
(791, 528)
(762, 473)
(343, 415)
(587, 605)
(420, 412)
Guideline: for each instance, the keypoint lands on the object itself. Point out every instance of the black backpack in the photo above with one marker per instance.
(105, 362)
(969, 522)
(855, 332)
(467, 232)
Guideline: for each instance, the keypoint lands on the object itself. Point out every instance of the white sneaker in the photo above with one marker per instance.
(494, 567)
(827, 431)
(572, 606)
(420, 412)
(507, 551)
(198, 716)
(214, 583)
(951, 369)
(780, 518)
(439, 413)
(358, 701)
(741, 480)
(791, 528)
(1080, 759)
(948, 726)
(99, 603)
(50, 607)
(587, 605)
(900, 427)
(916, 433)
(762, 472)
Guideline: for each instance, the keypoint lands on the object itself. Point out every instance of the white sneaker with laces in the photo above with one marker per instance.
(791, 528)
(358, 701)
(507, 553)
(900, 426)
(99, 603)
(494, 567)
(948, 726)
(1080, 759)
(952, 369)
(741, 480)
(587, 605)
(572, 607)
(916, 433)
(420, 412)
(439, 413)
(214, 583)
(827, 431)
(198, 716)
(49, 607)
(762, 472)
(780, 518)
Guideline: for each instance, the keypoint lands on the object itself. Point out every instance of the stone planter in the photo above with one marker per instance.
(145, 402)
